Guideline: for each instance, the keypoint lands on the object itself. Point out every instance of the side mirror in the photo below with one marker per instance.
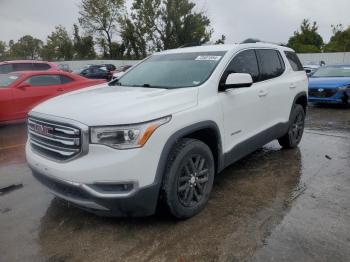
(23, 85)
(237, 80)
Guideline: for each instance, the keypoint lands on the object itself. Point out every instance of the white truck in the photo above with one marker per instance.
(160, 134)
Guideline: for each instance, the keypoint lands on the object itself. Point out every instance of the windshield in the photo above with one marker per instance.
(333, 71)
(6, 80)
(172, 70)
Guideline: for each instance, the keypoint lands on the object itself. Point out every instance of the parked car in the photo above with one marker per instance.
(160, 133)
(107, 67)
(96, 73)
(21, 91)
(122, 68)
(120, 71)
(330, 84)
(310, 68)
(26, 65)
(65, 67)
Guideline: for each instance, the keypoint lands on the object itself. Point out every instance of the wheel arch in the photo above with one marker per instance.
(300, 99)
(206, 131)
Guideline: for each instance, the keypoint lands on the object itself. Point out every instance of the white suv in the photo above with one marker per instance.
(160, 134)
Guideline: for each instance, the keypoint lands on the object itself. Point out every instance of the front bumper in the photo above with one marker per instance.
(338, 97)
(140, 203)
(80, 181)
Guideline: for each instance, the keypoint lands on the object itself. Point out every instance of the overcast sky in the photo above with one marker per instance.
(270, 20)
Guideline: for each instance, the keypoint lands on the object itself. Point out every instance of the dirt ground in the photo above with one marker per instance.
(274, 205)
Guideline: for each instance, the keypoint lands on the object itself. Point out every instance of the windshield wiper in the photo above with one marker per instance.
(150, 86)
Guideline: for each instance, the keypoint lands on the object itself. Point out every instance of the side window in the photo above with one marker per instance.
(244, 62)
(44, 80)
(66, 79)
(271, 64)
(97, 71)
(294, 61)
(5, 69)
(23, 67)
(41, 66)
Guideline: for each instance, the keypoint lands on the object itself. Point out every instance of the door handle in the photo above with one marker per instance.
(60, 89)
(263, 93)
(292, 86)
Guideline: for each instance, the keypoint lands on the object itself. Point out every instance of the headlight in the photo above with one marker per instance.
(128, 136)
(343, 88)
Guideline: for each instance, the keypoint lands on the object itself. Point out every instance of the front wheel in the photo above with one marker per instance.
(189, 178)
(296, 128)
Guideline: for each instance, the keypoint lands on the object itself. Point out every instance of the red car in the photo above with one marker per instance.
(25, 65)
(21, 91)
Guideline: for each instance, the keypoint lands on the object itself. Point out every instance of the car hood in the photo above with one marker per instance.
(116, 105)
(328, 82)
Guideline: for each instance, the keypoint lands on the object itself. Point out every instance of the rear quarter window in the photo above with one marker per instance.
(41, 66)
(294, 61)
(66, 79)
(271, 64)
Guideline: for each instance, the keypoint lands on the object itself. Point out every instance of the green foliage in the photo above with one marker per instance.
(307, 40)
(100, 18)
(27, 47)
(59, 45)
(156, 25)
(340, 41)
(221, 41)
(3, 47)
(83, 45)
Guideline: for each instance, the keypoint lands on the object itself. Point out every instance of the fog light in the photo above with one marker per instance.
(113, 188)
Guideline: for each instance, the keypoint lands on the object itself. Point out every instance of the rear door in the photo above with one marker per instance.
(23, 67)
(40, 88)
(275, 83)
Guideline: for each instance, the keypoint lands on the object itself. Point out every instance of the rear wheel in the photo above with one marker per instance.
(296, 128)
(189, 178)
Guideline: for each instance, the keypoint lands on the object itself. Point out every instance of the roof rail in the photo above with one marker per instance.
(250, 41)
(255, 40)
(190, 44)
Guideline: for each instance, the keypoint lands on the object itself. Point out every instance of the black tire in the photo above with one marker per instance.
(189, 178)
(296, 129)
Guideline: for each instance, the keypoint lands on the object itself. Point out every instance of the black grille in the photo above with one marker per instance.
(322, 92)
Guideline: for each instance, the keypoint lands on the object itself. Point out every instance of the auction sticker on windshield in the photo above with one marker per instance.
(208, 58)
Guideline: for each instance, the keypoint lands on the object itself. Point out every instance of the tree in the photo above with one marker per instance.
(100, 18)
(3, 47)
(156, 25)
(307, 40)
(27, 47)
(58, 46)
(221, 41)
(83, 45)
(340, 41)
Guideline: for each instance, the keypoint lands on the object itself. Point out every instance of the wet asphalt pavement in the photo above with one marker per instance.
(274, 205)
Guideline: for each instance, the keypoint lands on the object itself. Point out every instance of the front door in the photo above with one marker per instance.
(244, 109)
(40, 88)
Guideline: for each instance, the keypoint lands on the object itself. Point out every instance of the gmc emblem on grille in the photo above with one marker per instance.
(320, 90)
(43, 130)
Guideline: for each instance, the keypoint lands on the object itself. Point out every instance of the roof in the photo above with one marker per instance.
(24, 62)
(41, 72)
(223, 48)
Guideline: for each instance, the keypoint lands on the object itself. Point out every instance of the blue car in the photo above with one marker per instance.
(330, 84)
